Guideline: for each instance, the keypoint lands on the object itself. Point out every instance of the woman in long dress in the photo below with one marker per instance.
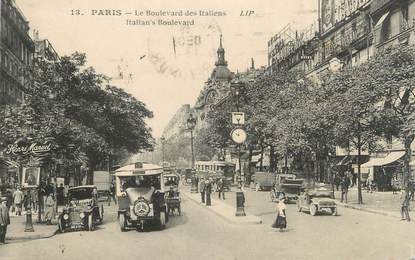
(281, 220)
(50, 209)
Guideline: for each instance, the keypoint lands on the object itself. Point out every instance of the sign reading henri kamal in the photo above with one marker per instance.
(28, 149)
(334, 11)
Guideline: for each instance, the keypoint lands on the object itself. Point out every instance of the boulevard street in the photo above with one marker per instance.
(200, 234)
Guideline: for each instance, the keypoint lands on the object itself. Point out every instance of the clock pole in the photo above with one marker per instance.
(238, 136)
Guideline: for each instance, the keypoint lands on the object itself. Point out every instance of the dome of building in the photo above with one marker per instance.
(221, 71)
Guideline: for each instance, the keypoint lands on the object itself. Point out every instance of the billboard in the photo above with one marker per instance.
(333, 11)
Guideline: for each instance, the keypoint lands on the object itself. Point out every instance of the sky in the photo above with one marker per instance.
(164, 66)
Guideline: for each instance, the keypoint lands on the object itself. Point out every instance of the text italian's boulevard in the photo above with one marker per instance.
(310, 156)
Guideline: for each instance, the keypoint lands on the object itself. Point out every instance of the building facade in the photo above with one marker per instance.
(349, 34)
(16, 53)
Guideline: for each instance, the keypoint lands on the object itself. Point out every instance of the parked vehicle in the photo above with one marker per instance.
(140, 193)
(82, 211)
(265, 180)
(317, 200)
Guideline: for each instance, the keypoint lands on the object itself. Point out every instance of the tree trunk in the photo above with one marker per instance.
(261, 158)
(407, 159)
(359, 174)
(272, 159)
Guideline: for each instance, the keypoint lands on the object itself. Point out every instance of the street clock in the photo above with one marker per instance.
(238, 135)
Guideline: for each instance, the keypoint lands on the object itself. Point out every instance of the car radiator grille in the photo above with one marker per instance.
(75, 218)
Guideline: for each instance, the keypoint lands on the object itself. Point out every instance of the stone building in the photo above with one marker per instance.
(16, 52)
(349, 34)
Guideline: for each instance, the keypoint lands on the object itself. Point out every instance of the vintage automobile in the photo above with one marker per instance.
(317, 200)
(140, 194)
(289, 188)
(83, 211)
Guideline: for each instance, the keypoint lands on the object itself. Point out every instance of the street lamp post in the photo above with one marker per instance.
(163, 140)
(191, 123)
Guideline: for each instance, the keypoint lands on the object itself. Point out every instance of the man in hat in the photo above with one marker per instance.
(4, 219)
(202, 189)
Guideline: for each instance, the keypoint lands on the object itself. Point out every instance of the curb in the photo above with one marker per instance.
(32, 237)
(383, 213)
(248, 219)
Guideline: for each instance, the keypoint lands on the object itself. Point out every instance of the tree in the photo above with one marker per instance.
(392, 72)
(71, 104)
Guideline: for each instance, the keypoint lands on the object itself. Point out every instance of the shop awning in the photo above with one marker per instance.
(390, 158)
(382, 19)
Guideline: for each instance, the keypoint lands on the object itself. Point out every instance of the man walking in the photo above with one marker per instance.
(345, 188)
(4, 219)
(208, 191)
(202, 189)
(405, 207)
(18, 198)
(221, 188)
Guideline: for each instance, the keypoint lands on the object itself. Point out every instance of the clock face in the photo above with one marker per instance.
(238, 135)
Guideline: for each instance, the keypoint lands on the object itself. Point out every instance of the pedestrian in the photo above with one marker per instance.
(345, 183)
(4, 219)
(50, 209)
(281, 220)
(202, 189)
(411, 190)
(405, 206)
(112, 191)
(18, 198)
(221, 188)
(337, 181)
(34, 196)
(60, 194)
(208, 191)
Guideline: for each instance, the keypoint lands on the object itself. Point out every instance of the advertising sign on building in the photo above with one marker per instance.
(334, 11)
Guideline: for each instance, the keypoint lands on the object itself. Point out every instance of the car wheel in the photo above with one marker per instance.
(101, 214)
(334, 211)
(162, 220)
(90, 222)
(313, 210)
(299, 206)
(60, 226)
(122, 222)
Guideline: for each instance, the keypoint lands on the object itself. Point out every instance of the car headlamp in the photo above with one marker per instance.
(141, 208)
(81, 215)
(65, 216)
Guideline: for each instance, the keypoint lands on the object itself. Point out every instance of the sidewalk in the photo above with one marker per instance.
(382, 203)
(15, 231)
(222, 209)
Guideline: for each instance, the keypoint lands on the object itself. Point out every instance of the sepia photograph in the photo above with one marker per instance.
(207, 129)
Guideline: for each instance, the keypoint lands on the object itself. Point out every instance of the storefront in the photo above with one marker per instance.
(385, 171)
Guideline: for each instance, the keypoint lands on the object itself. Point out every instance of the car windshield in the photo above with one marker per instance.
(80, 194)
(140, 181)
